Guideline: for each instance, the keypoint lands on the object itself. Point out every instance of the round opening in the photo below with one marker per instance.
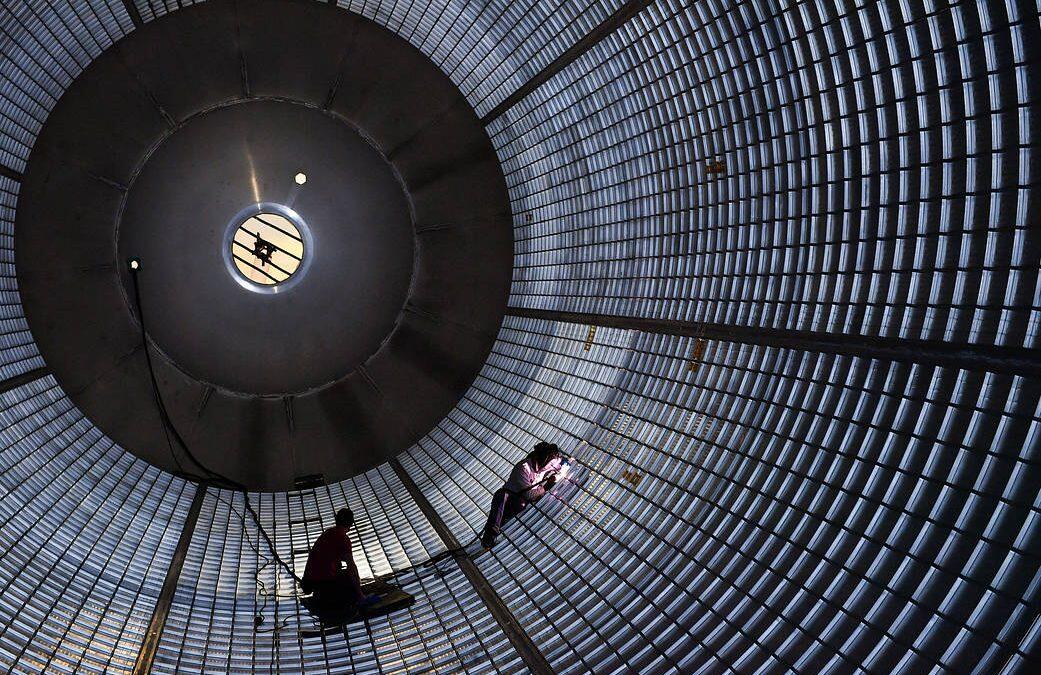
(267, 247)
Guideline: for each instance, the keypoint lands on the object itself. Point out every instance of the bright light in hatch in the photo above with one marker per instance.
(267, 248)
(301, 178)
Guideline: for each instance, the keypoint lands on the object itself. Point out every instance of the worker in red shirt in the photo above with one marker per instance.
(335, 588)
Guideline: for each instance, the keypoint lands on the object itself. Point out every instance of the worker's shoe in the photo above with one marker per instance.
(488, 540)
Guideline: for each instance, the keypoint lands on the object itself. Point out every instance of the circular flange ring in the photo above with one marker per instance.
(298, 222)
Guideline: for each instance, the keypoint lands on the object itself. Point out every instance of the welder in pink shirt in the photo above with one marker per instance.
(531, 478)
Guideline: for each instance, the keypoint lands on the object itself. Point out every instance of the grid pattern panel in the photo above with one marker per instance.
(153, 9)
(211, 622)
(46, 45)
(475, 445)
(861, 168)
(752, 507)
(489, 49)
(86, 537)
(857, 168)
(18, 352)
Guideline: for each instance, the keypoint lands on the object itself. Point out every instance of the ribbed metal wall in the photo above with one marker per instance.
(211, 623)
(46, 45)
(489, 49)
(753, 507)
(862, 168)
(86, 536)
(18, 352)
(874, 177)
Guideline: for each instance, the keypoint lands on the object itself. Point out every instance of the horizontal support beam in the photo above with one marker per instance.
(146, 656)
(8, 172)
(980, 357)
(24, 378)
(605, 28)
(521, 641)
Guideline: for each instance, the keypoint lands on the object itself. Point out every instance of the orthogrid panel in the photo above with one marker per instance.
(153, 9)
(18, 352)
(86, 536)
(211, 621)
(749, 507)
(473, 448)
(46, 44)
(860, 168)
(488, 49)
(857, 168)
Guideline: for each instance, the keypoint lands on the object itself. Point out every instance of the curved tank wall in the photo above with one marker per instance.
(806, 423)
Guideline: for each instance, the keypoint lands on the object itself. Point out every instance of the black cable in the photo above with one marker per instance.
(168, 428)
(151, 370)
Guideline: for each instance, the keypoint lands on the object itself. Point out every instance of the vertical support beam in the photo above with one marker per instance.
(146, 656)
(135, 16)
(524, 645)
(605, 28)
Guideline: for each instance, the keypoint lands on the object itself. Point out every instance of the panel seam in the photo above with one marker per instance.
(1003, 359)
(515, 633)
(23, 379)
(133, 13)
(602, 30)
(150, 646)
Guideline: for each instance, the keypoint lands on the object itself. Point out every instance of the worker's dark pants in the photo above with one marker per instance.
(505, 505)
(335, 594)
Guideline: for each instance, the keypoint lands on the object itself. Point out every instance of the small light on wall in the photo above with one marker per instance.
(301, 178)
(134, 264)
